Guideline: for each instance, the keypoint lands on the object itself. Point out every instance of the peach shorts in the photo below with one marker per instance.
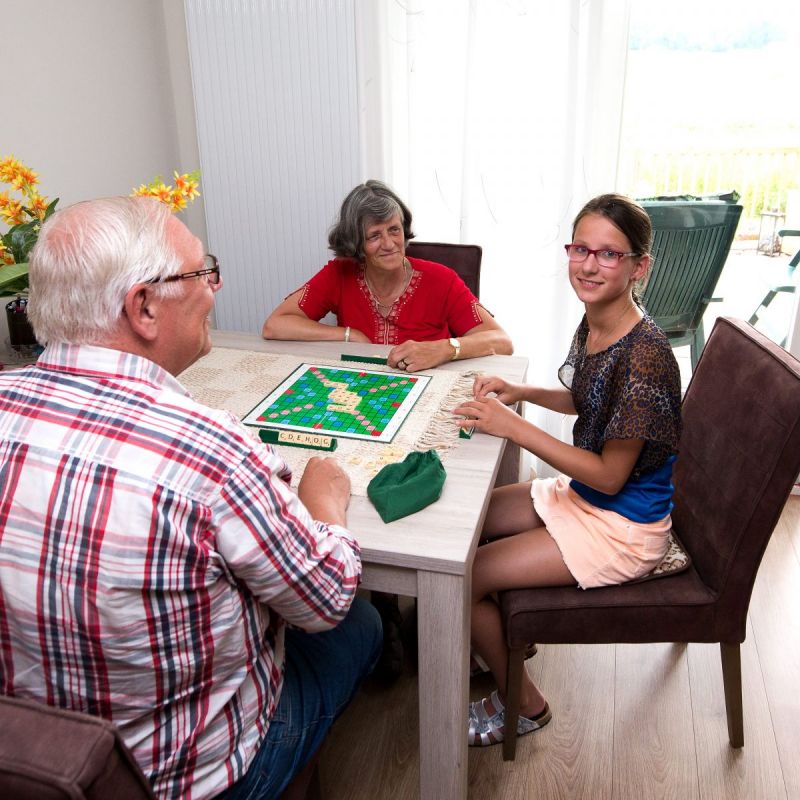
(599, 547)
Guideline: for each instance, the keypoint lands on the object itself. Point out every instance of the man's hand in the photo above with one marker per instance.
(324, 490)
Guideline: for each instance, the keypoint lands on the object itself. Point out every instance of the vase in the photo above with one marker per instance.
(20, 332)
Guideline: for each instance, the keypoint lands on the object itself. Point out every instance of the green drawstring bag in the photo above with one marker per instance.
(408, 486)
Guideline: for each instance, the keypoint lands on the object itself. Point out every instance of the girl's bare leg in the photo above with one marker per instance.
(510, 511)
(512, 560)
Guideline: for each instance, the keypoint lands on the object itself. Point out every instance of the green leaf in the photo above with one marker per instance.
(50, 208)
(23, 238)
(13, 278)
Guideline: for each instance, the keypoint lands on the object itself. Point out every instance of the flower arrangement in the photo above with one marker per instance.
(176, 197)
(25, 214)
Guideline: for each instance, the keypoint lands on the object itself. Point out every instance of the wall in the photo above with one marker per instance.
(97, 98)
(96, 95)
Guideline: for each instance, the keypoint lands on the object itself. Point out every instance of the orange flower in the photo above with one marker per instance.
(28, 211)
(38, 206)
(5, 256)
(9, 167)
(176, 197)
(177, 200)
(12, 213)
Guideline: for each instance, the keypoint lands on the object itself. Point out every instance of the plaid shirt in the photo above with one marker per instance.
(150, 552)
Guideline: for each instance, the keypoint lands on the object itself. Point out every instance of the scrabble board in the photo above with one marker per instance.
(341, 402)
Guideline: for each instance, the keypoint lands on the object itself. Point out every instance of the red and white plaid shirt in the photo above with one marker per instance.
(150, 552)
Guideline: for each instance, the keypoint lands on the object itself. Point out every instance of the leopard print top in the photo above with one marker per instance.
(632, 390)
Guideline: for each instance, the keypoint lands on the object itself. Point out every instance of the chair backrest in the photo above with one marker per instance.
(691, 242)
(465, 259)
(739, 457)
(49, 753)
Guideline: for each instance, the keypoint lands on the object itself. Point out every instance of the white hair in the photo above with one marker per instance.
(87, 257)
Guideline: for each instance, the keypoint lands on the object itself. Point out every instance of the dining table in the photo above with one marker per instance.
(427, 555)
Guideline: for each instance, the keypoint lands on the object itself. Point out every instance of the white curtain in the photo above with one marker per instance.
(496, 121)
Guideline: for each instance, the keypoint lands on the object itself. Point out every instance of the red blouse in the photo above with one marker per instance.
(435, 305)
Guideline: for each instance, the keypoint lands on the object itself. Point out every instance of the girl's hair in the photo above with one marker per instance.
(88, 256)
(626, 215)
(631, 219)
(367, 204)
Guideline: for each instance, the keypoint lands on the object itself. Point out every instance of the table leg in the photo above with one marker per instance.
(443, 630)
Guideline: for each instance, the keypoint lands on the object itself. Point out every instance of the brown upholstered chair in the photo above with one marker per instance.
(465, 259)
(48, 754)
(739, 457)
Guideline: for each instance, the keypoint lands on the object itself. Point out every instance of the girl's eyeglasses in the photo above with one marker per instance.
(605, 258)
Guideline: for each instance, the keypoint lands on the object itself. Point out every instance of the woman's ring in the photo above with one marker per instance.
(402, 363)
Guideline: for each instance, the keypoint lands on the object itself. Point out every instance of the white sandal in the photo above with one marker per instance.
(486, 729)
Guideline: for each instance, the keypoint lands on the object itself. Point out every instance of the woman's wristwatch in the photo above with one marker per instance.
(456, 345)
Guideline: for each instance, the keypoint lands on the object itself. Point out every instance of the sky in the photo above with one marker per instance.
(714, 24)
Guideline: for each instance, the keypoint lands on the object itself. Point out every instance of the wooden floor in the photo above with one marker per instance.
(630, 721)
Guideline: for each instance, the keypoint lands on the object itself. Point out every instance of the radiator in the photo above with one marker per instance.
(275, 92)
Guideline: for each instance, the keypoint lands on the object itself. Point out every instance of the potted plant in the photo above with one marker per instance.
(24, 215)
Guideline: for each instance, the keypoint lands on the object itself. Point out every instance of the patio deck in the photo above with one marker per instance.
(745, 279)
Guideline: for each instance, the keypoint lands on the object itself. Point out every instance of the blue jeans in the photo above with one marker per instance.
(323, 672)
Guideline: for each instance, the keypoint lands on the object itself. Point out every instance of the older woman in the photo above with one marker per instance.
(379, 295)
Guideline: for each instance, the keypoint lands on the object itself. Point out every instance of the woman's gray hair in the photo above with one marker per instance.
(87, 257)
(367, 204)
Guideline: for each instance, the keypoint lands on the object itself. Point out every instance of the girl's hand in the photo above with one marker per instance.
(489, 416)
(507, 393)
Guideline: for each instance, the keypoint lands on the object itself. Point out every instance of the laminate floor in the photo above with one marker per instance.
(630, 721)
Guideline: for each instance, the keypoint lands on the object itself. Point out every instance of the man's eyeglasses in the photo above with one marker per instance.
(211, 272)
(605, 258)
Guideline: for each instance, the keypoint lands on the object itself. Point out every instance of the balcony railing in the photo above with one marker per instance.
(762, 176)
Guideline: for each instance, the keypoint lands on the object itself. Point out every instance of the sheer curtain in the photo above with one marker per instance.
(496, 121)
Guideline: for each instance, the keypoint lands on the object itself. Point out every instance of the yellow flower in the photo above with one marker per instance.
(24, 180)
(177, 197)
(188, 184)
(37, 206)
(177, 200)
(22, 216)
(8, 169)
(5, 256)
(12, 213)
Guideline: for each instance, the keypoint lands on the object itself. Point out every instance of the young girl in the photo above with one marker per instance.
(609, 521)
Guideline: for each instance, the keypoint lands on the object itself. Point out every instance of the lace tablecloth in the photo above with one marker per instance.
(237, 380)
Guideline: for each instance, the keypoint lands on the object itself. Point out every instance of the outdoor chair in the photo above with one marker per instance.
(48, 753)
(787, 282)
(465, 259)
(738, 460)
(691, 242)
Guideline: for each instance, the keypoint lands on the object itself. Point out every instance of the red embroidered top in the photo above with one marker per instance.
(435, 305)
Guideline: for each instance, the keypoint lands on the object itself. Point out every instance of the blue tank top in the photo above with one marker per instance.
(646, 498)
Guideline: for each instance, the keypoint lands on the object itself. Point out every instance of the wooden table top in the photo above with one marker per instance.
(441, 537)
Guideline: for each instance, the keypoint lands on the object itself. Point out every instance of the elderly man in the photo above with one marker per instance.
(151, 552)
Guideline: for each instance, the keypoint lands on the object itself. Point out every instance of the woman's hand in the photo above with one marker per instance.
(414, 356)
(507, 393)
(489, 415)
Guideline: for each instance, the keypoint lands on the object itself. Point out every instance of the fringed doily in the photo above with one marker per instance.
(237, 380)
